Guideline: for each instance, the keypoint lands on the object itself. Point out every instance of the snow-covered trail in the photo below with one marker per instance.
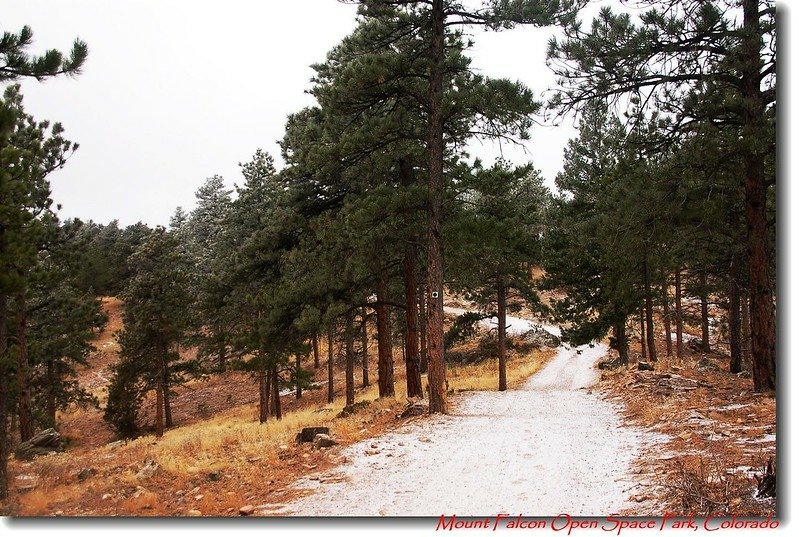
(548, 448)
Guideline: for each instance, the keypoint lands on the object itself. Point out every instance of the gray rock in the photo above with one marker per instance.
(148, 470)
(42, 443)
(323, 440)
(309, 433)
(541, 338)
(86, 473)
(414, 409)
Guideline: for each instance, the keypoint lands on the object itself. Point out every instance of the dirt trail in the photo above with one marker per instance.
(551, 447)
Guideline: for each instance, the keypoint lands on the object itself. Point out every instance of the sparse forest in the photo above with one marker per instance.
(377, 270)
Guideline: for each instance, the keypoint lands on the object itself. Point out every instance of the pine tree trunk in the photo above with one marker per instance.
(704, 310)
(622, 346)
(316, 351)
(746, 330)
(735, 314)
(349, 368)
(4, 399)
(330, 393)
(167, 403)
(422, 330)
(667, 318)
(650, 323)
(51, 392)
(413, 376)
(263, 394)
(761, 296)
(501, 327)
(23, 394)
(159, 396)
(364, 349)
(385, 362)
(297, 370)
(276, 393)
(436, 371)
(643, 335)
(678, 310)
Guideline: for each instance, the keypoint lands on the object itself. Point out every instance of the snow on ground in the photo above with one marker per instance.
(551, 447)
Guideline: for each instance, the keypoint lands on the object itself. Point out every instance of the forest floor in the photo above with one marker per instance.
(721, 435)
(218, 458)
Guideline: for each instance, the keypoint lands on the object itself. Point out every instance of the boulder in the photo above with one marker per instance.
(614, 363)
(309, 433)
(42, 443)
(86, 473)
(247, 510)
(148, 470)
(541, 338)
(645, 366)
(414, 409)
(323, 440)
(349, 410)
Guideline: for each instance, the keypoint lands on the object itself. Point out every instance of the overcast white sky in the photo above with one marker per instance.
(174, 92)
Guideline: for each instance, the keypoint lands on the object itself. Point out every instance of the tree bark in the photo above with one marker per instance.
(167, 399)
(24, 404)
(643, 335)
(413, 376)
(263, 393)
(761, 296)
(735, 314)
(364, 349)
(622, 346)
(159, 396)
(297, 369)
(501, 327)
(349, 343)
(51, 395)
(436, 374)
(704, 309)
(276, 393)
(385, 362)
(746, 330)
(316, 351)
(422, 330)
(650, 324)
(667, 318)
(4, 396)
(330, 393)
(678, 309)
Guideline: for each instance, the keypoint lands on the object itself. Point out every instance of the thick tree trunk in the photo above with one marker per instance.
(167, 399)
(667, 318)
(330, 393)
(735, 314)
(24, 404)
(622, 346)
(4, 399)
(422, 330)
(316, 351)
(501, 327)
(761, 296)
(704, 310)
(159, 396)
(678, 310)
(364, 349)
(276, 393)
(297, 370)
(436, 371)
(643, 335)
(349, 368)
(413, 376)
(385, 361)
(746, 330)
(650, 323)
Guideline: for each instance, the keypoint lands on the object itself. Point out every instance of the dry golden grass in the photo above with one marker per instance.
(484, 376)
